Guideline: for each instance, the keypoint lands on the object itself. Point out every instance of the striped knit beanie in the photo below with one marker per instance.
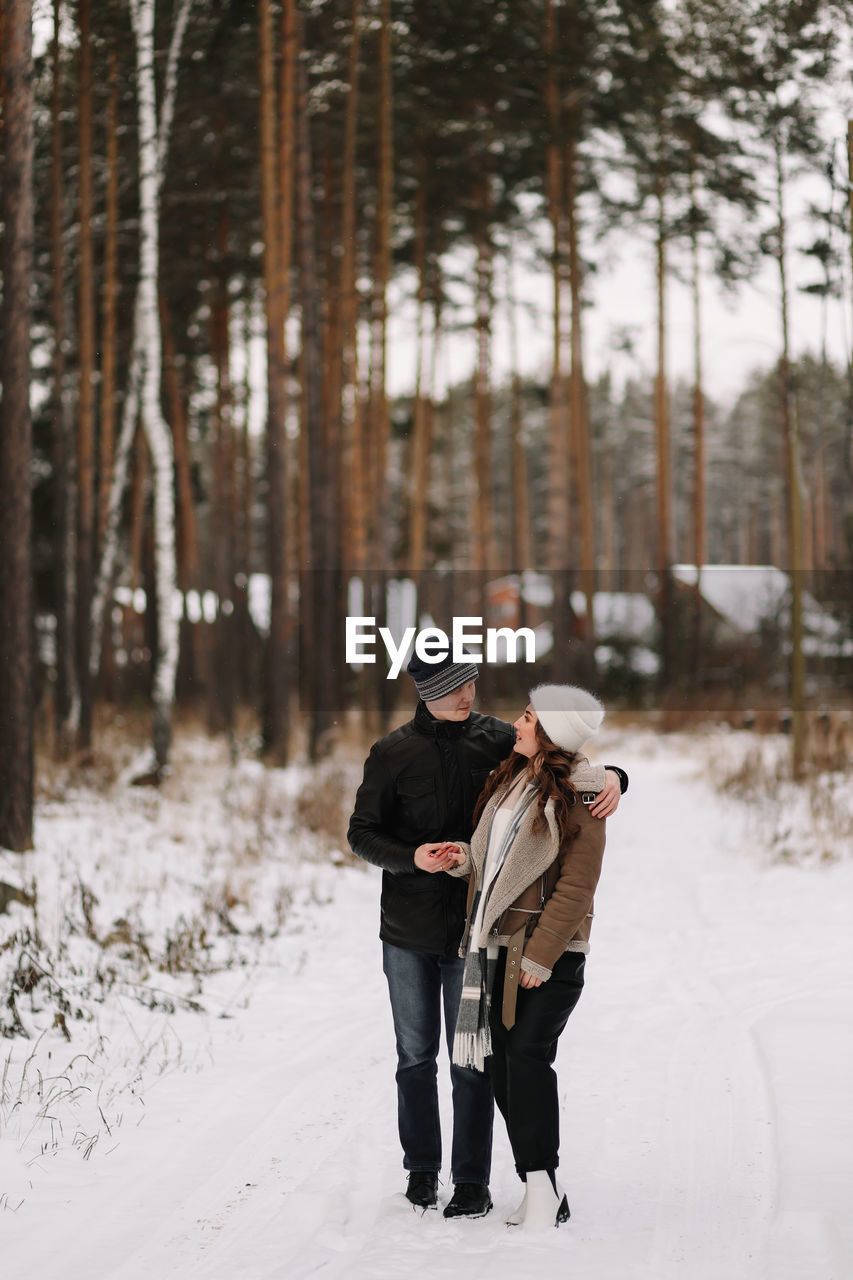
(435, 679)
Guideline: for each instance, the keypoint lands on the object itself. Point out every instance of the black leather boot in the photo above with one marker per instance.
(469, 1200)
(422, 1190)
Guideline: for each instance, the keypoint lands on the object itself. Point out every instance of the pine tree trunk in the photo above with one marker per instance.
(243, 524)
(578, 416)
(67, 708)
(420, 453)
(699, 536)
(276, 681)
(329, 319)
(16, 601)
(110, 301)
(790, 428)
(352, 445)
(850, 357)
(222, 688)
(559, 525)
(379, 423)
(193, 654)
(86, 394)
(324, 574)
(482, 509)
(109, 344)
(664, 517)
(329, 281)
(520, 549)
(156, 431)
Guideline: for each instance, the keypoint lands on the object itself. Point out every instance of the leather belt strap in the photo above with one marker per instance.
(514, 952)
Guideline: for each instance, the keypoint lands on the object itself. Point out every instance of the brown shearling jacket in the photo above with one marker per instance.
(545, 886)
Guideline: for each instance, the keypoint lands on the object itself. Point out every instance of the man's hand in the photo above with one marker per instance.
(437, 857)
(608, 799)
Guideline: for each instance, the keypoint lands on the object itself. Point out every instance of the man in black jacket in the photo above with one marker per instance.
(419, 789)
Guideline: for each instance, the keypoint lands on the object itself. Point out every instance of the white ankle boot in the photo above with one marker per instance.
(516, 1218)
(545, 1207)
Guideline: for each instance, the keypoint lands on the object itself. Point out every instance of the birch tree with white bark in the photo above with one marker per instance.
(143, 398)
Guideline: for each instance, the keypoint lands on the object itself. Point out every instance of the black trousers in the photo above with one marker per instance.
(522, 1063)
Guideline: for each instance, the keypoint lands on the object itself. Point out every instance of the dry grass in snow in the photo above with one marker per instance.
(809, 821)
(141, 914)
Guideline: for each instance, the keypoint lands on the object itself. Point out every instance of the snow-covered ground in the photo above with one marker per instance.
(705, 1076)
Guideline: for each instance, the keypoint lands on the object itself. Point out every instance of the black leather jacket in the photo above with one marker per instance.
(420, 785)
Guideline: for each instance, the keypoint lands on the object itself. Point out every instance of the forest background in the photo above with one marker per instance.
(227, 229)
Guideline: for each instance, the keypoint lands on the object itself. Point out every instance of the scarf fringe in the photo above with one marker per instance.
(471, 1048)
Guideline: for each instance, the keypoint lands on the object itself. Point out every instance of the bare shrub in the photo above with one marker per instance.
(829, 740)
(187, 949)
(804, 821)
(323, 807)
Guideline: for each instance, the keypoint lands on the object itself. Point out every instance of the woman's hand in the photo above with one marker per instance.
(529, 980)
(453, 850)
(438, 857)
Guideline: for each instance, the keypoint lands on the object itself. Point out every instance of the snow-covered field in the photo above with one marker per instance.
(207, 1090)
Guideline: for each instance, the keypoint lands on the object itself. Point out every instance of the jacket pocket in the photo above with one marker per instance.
(418, 804)
(514, 917)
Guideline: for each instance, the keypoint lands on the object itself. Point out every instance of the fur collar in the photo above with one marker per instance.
(530, 855)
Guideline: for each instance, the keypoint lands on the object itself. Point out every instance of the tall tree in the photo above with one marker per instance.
(788, 52)
(323, 579)
(189, 561)
(277, 137)
(86, 360)
(849, 456)
(559, 446)
(16, 599)
(678, 137)
(483, 537)
(418, 488)
(109, 331)
(520, 553)
(378, 414)
(348, 398)
(156, 431)
(145, 341)
(110, 297)
(67, 706)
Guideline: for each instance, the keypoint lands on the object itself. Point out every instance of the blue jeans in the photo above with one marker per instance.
(416, 984)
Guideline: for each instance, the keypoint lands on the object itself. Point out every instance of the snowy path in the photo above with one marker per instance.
(707, 1111)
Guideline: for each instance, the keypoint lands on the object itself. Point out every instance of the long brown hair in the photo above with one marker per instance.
(550, 772)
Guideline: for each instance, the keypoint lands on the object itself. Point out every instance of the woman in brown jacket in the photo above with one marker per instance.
(533, 866)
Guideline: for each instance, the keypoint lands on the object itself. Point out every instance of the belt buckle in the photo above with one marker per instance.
(589, 797)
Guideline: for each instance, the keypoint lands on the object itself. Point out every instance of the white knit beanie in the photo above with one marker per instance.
(569, 716)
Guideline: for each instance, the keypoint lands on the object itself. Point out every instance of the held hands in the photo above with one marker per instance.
(443, 856)
(608, 799)
(438, 857)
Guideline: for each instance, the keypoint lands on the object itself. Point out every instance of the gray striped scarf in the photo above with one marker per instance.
(472, 1042)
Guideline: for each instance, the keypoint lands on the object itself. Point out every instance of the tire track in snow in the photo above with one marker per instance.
(709, 1137)
(271, 1194)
